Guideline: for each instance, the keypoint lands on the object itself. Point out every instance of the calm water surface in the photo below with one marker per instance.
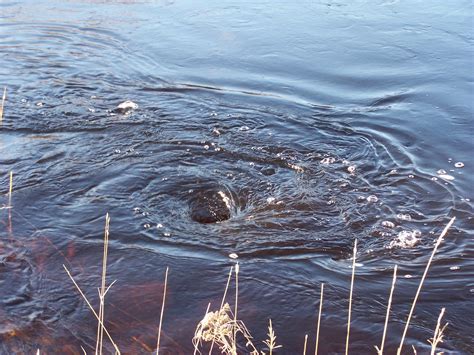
(320, 122)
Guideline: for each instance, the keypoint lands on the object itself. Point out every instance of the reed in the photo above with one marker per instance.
(438, 333)
(305, 344)
(350, 296)
(162, 312)
(394, 280)
(10, 190)
(437, 244)
(100, 331)
(319, 319)
(271, 341)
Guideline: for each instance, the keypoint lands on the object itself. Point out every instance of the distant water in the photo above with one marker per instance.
(316, 123)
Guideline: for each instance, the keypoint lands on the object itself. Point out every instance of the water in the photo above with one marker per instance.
(317, 124)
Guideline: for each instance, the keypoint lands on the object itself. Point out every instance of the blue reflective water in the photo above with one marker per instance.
(320, 122)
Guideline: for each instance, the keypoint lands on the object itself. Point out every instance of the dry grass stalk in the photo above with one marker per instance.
(271, 341)
(223, 300)
(10, 190)
(437, 244)
(162, 311)
(350, 296)
(380, 350)
(438, 334)
(117, 351)
(319, 319)
(236, 302)
(414, 350)
(3, 103)
(305, 343)
(100, 330)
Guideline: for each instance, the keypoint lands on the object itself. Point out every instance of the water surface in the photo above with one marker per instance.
(321, 123)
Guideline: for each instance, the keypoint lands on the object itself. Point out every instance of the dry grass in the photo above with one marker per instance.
(354, 255)
(222, 327)
(319, 319)
(10, 190)
(437, 244)
(387, 316)
(438, 333)
(162, 312)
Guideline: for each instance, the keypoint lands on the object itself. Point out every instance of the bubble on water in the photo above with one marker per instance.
(454, 268)
(408, 276)
(441, 172)
(39, 104)
(166, 234)
(434, 178)
(216, 132)
(411, 176)
(328, 160)
(233, 256)
(217, 149)
(406, 239)
(270, 199)
(118, 151)
(146, 225)
(393, 172)
(159, 225)
(360, 198)
(23, 100)
(251, 163)
(164, 179)
(91, 109)
(372, 199)
(206, 147)
(388, 224)
(145, 213)
(459, 164)
(244, 128)
(446, 177)
(351, 169)
(136, 209)
(404, 216)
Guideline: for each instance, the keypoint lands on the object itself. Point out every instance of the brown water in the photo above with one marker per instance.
(319, 122)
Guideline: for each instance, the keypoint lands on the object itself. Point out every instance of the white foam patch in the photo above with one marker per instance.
(226, 199)
(406, 239)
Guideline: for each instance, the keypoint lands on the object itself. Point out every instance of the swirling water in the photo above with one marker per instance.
(320, 123)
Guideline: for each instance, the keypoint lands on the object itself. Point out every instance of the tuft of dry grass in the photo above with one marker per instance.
(438, 334)
(220, 328)
(271, 341)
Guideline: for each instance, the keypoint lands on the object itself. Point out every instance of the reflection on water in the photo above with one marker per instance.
(293, 129)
